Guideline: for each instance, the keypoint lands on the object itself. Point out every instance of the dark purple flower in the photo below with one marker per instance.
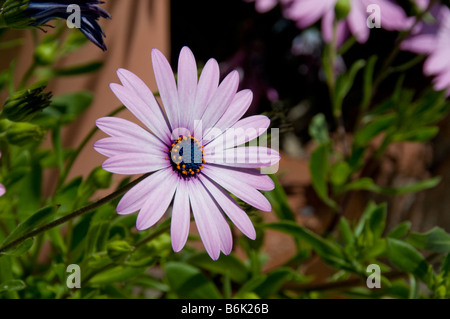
(43, 11)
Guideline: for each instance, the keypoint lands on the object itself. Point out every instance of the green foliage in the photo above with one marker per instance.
(436, 240)
(365, 116)
(319, 168)
(188, 282)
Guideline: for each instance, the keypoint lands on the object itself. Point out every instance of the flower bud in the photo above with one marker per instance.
(21, 134)
(342, 9)
(119, 249)
(12, 14)
(24, 105)
(46, 53)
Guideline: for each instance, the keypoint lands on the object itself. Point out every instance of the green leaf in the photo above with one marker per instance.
(117, 274)
(368, 184)
(327, 249)
(279, 202)
(251, 285)
(118, 249)
(12, 285)
(445, 267)
(31, 223)
(436, 240)
(189, 283)
(400, 231)
(273, 282)
(421, 134)
(96, 233)
(57, 239)
(340, 172)
(319, 167)
(406, 258)
(228, 265)
(346, 232)
(318, 129)
(344, 83)
(64, 109)
(31, 190)
(79, 69)
(368, 211)
(374, 128)
(368, 82)
(20, 249)
(377, 220)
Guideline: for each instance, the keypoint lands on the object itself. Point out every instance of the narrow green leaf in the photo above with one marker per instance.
(64, 109)
(273, 282)
(117, 274)
(374, 128)
(328, 250)
(436, 240)
(400, 231)
(79, 69)
(279, 202)
(368, 184)
(20, 249)
(189, 283)
(406, 258)
(344, 83)
(345, 231)
(368, 82)
(31, 223)
(319, 167)
(12, 285)
(368, 211)
(420, 134)
(228, 265)
(57, 239)
(377, 220)
(251, 285)
(445, 267)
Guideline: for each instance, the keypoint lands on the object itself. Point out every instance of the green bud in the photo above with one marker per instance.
(160, 246)
(46, 53)
(342, 9)
(101, 178)
(119, 249)
(22, 134)
(12, 15)
(24, 105)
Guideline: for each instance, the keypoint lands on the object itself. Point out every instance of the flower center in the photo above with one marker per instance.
(186, 156)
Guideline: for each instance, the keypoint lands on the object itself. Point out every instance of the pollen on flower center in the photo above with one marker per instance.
(186, 156)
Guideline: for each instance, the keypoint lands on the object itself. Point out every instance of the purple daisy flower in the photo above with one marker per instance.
(189, 151)
(432, 39)
(2, 188)
(307, 12)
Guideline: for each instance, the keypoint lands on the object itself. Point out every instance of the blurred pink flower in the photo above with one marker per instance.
(433, 39)
(263, 6)
(168, 149)
(2, 188)
(307, 12)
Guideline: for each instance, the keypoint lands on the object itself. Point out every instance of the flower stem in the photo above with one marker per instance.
(82, 211)
(27, 76)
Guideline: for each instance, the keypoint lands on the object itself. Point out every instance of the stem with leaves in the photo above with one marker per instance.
(80, 212)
